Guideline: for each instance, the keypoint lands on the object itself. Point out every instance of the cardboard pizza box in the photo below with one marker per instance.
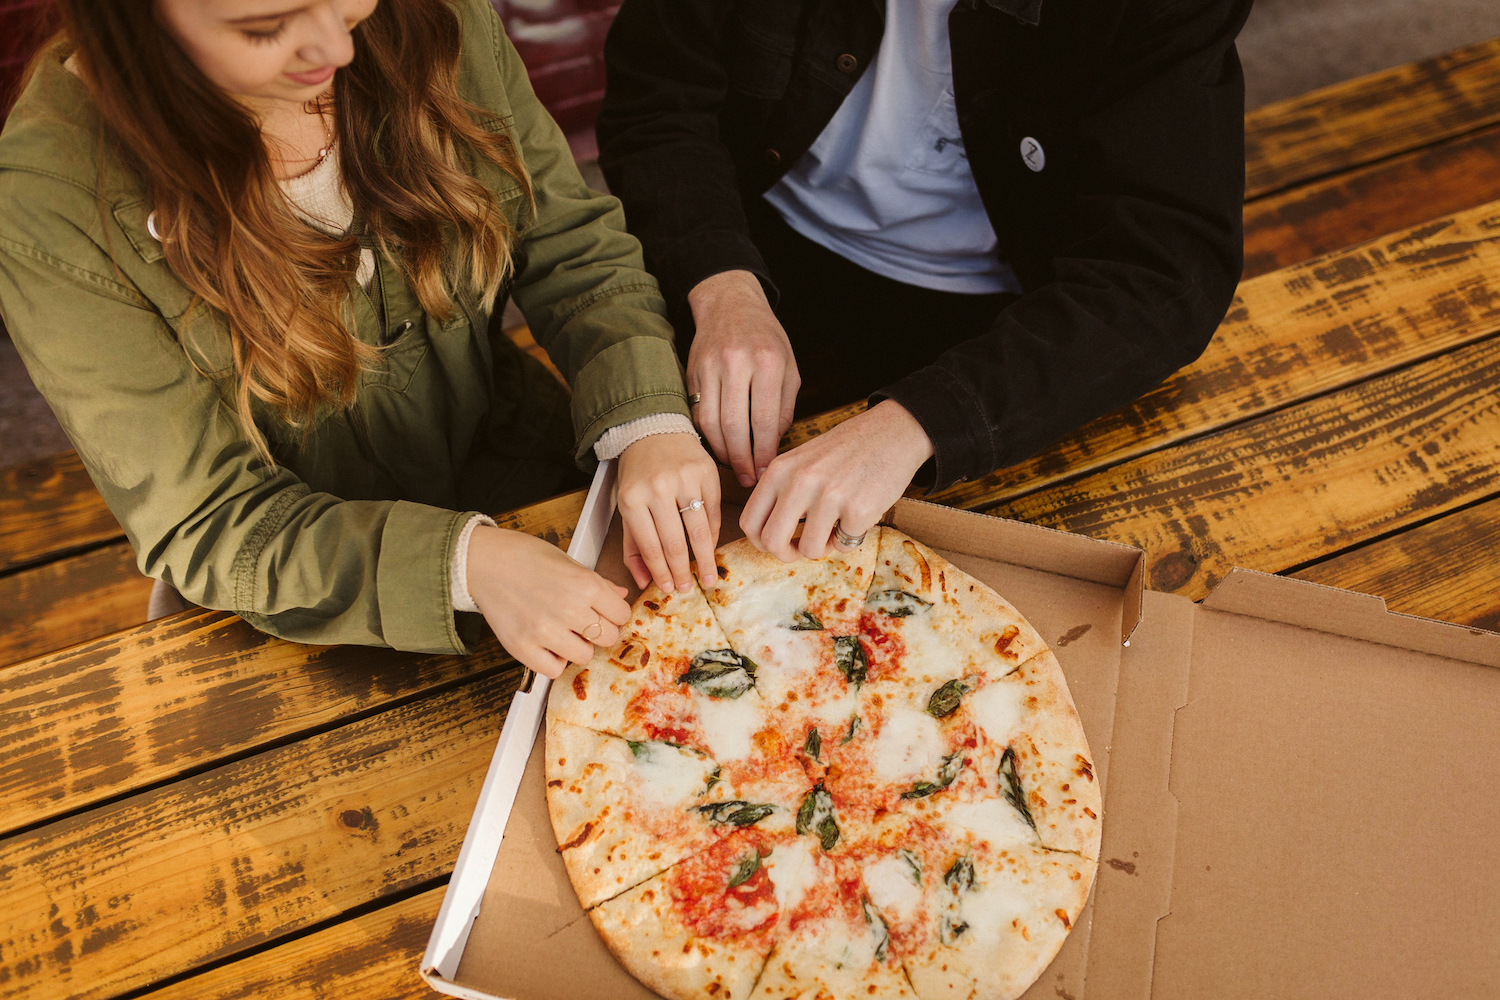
(1302, 789)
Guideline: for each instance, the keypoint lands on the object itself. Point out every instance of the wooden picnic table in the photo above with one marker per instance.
(191, 808)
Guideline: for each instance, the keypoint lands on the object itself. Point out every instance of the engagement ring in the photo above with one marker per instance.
(692, 505)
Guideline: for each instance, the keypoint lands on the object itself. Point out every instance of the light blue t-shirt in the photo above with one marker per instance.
(887, 185)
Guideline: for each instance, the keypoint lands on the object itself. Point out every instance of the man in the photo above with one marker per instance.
(997, 219)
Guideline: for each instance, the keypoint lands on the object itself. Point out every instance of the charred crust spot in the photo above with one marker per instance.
(652, 605)
(841, 605)
(580, 684)
(1090, 812)
(722, 570)
(1085, 769)
(579, 837)
(1002, 644)
(1065, 786)
(555, 783)
(1063, 916)
(562, 762)
(921, 561)
(711, 988)
(645, 657)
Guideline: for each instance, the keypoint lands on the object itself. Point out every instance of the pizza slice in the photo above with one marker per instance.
(799, 622)
(832, 942)
(625, 810)
(989, 920)
(672, 677)
(1033, 744)
(704, 927)
(928, 623)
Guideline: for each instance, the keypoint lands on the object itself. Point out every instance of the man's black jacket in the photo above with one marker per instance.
(1127, 241)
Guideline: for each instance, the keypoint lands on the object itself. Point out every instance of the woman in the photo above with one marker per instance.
(250, 250)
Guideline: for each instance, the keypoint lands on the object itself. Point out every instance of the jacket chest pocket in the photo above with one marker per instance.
(402, 358)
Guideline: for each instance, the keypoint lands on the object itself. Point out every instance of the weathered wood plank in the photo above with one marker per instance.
(553, 519)
(128, 894)
(175, 695)
(49, 507)
(1298, 484)
(375, 955)
(70, 600)
(1291, 335)
(1371, 117)
(1364, 204)
(1446, 569)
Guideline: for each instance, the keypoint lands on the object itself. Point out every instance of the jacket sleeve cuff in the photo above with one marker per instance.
(634, 378)
(701, 255)
(963, 443)
(412, 578)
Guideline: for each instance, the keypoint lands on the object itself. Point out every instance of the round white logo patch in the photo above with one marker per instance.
(1033, 154)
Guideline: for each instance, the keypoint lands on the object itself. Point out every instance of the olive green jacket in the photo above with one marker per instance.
(348, 539)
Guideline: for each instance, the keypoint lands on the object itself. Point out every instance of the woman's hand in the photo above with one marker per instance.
(850, 475)
(659, 476)
(546, 609)
(741, 364)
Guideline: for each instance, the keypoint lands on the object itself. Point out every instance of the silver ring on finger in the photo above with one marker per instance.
(597, 627)
(843, 538)
(694, 504)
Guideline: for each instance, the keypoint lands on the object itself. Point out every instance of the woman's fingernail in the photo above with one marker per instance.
(761, 471)
(683, 588)
(747, 480)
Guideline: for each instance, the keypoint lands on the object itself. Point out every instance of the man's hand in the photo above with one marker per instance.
(741, 364)
(545, 609)
(852, 475)
(660, 475)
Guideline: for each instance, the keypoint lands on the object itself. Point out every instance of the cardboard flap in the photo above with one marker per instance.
(1343, 612)
(1033, 547)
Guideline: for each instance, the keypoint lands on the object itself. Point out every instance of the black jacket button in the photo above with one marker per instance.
(846, 63)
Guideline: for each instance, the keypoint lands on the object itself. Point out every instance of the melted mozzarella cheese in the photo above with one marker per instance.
(762, 603)
(892, 888)
(993, 820)
(729, 723)
(997, 709)
(792, 868)
(909, 746)
(989, 910)
(669, 775)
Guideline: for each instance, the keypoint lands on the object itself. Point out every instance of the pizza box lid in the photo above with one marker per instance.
(1277, 762)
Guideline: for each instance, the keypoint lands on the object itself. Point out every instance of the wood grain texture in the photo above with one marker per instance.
(1372, 117)
(371, 956)
(1290, 335)
(128, 894)
(1364, 204)
(50, 507)
(1446, 569)
(178, 694)
(1293, 486)
(552, 519)
(70, 600)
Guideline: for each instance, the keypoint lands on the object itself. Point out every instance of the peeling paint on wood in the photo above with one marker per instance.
(1372, 117)
(180, 693)
(214, 864)
(1311, 479)
(1447, 569)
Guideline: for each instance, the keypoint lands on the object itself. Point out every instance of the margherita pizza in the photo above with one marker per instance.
(852, 777)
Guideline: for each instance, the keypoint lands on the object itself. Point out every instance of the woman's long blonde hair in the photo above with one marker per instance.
(406, 139)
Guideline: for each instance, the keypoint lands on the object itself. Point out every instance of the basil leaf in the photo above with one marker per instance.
(960, 877)
(945, 700)
(746, 867)
(803, 621)
(712, 780)
(849, 657)
(878, 928)
(948, 772)
(913, 862)
(951, 928)
(638, 748)
(813, 745)
(897, 603)
(720, 673)
(736, 812)
(854, 723)
(1012, 790)
(815, 815)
